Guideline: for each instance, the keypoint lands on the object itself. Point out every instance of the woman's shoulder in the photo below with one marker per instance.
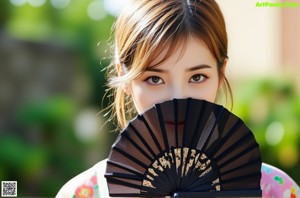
(276, 183)
(87, 182)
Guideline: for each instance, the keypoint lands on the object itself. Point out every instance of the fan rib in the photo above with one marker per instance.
(197, 135)
(207, 134)
(175, 106)
(138, 177)
(199, 183)
(185, 125)
(124, 183)
(155, 141)
(124, 168)
(214, 149)
(246, 150)
(183, 144)
(182, 166)
(233, 147)
(218, 116)
(143, 140)
(124, 176)
(137, 146)
(151, 133)
(234, 128)
(184, 169)
(243, 177)
(253, 161)
(130, 157)
(177, 181)
(239, 123)
(162, 126)
(194, 174)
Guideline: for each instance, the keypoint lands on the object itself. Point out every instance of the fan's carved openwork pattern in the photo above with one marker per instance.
(185, 161)
(183, 145)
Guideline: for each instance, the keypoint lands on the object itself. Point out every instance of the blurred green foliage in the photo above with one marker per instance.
(42, 151)
(271, 109)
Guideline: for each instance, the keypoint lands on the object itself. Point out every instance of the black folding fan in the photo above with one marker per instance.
(184, 147)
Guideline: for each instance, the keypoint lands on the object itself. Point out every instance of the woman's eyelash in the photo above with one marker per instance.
(154, 80)
(198, 78)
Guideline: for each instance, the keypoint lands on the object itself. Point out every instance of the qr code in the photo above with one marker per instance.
(8, 188)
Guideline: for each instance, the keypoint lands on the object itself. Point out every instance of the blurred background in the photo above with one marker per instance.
(52, 85)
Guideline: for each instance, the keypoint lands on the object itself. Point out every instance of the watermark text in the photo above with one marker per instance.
(277, 4)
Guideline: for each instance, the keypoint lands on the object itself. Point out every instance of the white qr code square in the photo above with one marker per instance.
(9, 188)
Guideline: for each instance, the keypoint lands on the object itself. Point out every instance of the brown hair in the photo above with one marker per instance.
(146, 27)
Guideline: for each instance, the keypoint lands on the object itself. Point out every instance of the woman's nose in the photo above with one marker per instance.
(178, 92)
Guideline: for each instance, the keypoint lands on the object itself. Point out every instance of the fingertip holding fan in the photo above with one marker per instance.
(184, 146)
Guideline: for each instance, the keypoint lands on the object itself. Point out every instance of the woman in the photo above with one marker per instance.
(167, 49)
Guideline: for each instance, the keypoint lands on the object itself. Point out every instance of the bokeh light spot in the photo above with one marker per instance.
(18, 2)
(87, 125)
(96, 10)
(36, 3)
(274, 133)
(60, 4)
(113, 7)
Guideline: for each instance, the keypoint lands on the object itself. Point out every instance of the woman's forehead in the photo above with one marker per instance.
(192, 48)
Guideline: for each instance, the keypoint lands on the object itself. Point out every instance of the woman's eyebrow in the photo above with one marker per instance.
(193, 68)
(152, 69)
(202, 66)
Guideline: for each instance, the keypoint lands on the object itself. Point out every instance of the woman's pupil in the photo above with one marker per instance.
(155, 79)
(196, 77)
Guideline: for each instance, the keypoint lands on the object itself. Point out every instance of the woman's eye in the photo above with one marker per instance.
(197, 78)
(154, 80)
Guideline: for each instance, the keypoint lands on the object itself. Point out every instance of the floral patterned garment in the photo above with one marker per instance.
(88, 189)
(274, 184)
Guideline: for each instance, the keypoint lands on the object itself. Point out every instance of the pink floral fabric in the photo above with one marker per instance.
(277, 184)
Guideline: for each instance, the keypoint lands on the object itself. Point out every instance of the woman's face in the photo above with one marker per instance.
(190, 74)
